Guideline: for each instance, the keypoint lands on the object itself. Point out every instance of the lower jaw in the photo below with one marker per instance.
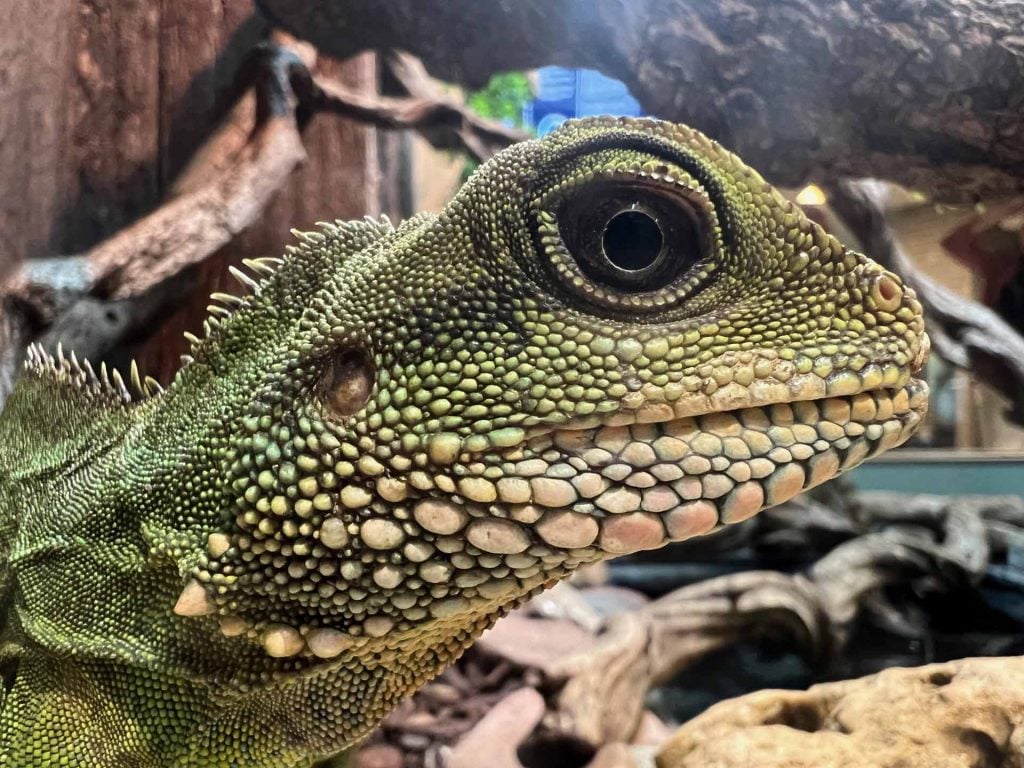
(676, 479)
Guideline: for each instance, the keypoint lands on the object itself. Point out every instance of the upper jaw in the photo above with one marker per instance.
(648, 483)
(681, 460)
(746, 380)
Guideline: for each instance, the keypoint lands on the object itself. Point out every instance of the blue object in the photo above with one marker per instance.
(567, 93)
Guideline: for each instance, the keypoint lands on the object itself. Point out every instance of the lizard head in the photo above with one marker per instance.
(612, 338)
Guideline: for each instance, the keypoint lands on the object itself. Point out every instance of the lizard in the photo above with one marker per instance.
(613, 337)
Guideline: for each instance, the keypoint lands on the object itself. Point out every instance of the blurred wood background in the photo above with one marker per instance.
(105, 102)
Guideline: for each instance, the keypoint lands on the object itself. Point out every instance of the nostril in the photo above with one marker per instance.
(886, 291)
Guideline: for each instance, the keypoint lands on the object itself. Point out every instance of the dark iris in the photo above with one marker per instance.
(632, 240)
(630, 236)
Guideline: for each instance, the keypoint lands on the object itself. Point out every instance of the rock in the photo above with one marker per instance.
(614, 755)
(378, 756)
(494, 741)
(963, 714)
(536, 643)
(652, 731)
(618, 755)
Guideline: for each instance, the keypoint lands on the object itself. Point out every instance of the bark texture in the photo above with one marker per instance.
(928, 93)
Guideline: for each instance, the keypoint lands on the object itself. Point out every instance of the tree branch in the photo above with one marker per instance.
(926, 93)
(95, 299)
(446, 123)
(128, 277)
(202, 217)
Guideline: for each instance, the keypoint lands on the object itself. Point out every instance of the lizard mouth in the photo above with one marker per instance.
(632, 487)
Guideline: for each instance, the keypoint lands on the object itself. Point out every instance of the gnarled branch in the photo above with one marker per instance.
(928, 94)
(445, 122)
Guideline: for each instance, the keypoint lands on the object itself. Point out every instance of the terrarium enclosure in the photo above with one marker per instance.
(147, 150)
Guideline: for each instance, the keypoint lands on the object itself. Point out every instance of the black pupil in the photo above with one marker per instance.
(632, 241)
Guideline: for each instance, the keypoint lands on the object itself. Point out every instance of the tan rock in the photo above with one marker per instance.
(535, 642)
(614, 755)
(493, 741)
(957, 715)
(379, 756)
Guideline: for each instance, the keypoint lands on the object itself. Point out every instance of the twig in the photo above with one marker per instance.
(475, 130)
(601, 698)
(446, 123)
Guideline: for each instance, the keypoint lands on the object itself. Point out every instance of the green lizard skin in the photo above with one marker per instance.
(612, 338)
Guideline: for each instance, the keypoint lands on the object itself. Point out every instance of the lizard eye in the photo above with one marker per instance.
(620, 239)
